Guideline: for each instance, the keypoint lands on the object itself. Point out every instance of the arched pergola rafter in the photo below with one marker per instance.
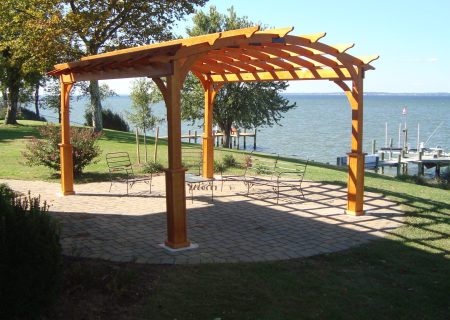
(243, 55)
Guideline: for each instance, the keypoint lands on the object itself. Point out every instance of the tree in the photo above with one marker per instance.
(31, 40)
(104, 92)
(243, 105)
(143, 94)
(104, 25)
(52, 98)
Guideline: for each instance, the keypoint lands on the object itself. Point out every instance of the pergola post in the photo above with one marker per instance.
(65, 147)
(208, 138)
(175, 174)
(355, 194)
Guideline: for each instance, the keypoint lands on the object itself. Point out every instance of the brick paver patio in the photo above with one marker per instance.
(233, 228)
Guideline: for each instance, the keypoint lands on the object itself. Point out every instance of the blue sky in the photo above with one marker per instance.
(411, 37)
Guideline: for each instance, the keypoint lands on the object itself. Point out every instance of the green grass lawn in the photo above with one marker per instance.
(405, 276)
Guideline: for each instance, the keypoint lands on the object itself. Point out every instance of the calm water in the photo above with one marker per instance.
(320, 127)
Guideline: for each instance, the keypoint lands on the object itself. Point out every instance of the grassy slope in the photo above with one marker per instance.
(405, 276)
(14, 138)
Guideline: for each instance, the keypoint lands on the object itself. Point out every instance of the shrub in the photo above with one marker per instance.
(6, 192)
(111, 120)
(26, 114)
(46, 152)
(153, 167)
(2, 112)
(219, 167)
(443, 181)
(229, 161)
(420, 180)
(30, 256)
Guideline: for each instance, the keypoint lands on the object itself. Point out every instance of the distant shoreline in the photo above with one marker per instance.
(370, 94)
(403, 94)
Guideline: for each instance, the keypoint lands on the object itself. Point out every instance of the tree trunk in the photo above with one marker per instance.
(96, 105)
(138, 154)
(226, 129)
(145, 144)
(36, 99)
(5, 99)
(12, 103)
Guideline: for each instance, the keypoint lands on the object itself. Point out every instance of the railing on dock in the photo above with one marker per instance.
(235, 138)
(402, 158)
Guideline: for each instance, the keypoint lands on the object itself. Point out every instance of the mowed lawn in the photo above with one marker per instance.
(405, 276)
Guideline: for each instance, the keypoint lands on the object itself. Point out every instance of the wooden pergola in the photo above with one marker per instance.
(243, 55)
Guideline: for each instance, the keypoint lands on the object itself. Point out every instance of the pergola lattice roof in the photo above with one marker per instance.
(231, 56)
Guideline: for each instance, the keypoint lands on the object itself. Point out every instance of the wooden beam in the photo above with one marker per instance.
(161, 49)
(209, 68)
(280, 32)
(276, 75)
(314, 37)
(162, 88)
(152, 71)
(367, 59)
(311, 55)
(220, 65)
(321, 47)
(233, 62)
(245, 58)
(341, 48)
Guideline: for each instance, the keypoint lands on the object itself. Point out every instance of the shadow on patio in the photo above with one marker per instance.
(233, 228)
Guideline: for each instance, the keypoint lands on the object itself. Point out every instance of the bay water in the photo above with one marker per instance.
(319, 128)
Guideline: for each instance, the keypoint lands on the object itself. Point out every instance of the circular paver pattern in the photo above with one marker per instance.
(232, 228)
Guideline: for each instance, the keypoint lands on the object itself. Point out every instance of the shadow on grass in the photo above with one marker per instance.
(404, 276)
(12, 132)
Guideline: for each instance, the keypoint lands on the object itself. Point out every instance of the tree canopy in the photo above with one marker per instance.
(243, 105)
(31, 41)
(36, 34)
(104, 25)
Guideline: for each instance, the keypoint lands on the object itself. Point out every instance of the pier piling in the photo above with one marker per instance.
(420, 170)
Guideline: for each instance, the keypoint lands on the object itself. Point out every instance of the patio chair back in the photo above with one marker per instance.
(289, 170)
(258, 166)
(192, 160)
(121, 170)
(119, 163)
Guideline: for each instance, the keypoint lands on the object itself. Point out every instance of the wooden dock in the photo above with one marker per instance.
(387, 157)
(193, 137)
(422, 162)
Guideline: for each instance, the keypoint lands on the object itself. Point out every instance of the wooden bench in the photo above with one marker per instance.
(275, 173)
(121, 170)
